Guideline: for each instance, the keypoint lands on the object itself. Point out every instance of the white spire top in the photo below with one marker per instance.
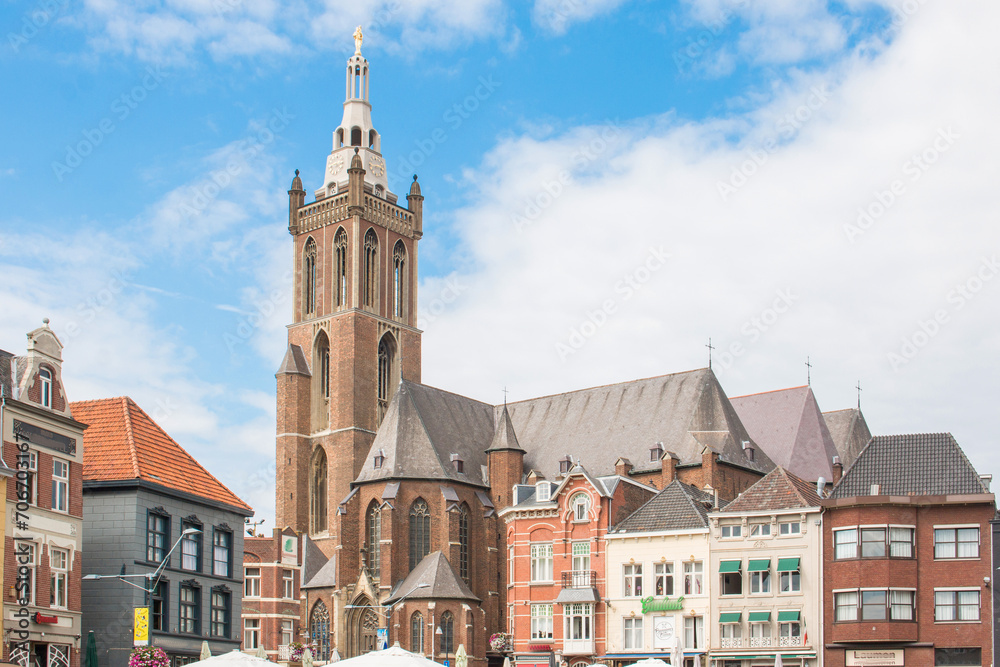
(356, 131)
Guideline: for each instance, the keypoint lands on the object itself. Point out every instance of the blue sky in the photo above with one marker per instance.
(608, 183)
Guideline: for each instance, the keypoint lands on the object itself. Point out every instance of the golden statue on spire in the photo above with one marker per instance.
(357, 41)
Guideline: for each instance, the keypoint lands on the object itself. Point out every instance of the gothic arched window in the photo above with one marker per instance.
(417, 633)
(309, 278)
(323, 365)
(463, 542)
(447, 633)
(317, 492)
(369, 287)
(398, 279)
(340, 267)
(319, 631)
(386, 373)
(374, 524)
(420, 531)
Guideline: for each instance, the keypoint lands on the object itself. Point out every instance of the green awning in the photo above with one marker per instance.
(730, 617)
(759, 565)
(759, 616)
(788, 565)
(730, 566)
(788, 616)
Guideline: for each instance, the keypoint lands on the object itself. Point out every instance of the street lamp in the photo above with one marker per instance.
(153, 576)
(440, 635)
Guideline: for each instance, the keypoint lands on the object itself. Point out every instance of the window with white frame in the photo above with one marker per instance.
(579, 621)
(873, 605)
(251, 582)
(287, 584)
(541, 562)
(846, 605)
(510, 566)
(27, 561)
(60, 485)
(251, 633)
(900, 542)
(632, 574)
(789, 528)
(694, 631)
(789, 629)
(731, 630)
(633, 633)
(543, 491)
(46, 377)
(873, 542)
(693, 576)
(760, 530)
(541, 621)
(956, 605)
(760, 582)
(581, 507)
(845, 543)
(731, 530)
(789, 582)
(581, 564)
(760, 629)
(902, 604)
(956, 542)
(663, 581)
(58, 575)
(287, 630)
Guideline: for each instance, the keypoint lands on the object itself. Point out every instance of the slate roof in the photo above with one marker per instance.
(294, 362)
(313, 561)
(679, 506)
(504, 436)
(778, 490)
(920, 464)
(685, 411)
(433, 578)
(849, 431)
(123, 443)
(788, 425)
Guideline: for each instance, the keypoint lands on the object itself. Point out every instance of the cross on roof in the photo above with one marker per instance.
(710, 348)
(809, 368)
(858, 387)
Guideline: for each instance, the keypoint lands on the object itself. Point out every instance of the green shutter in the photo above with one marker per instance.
(784, 616)
(730, 566)
(730, 617)
(759, 565)
(759, 616)
(788, 565)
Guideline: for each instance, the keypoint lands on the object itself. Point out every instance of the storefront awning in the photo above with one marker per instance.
(730, 566)
(759, 565)
(785, 616)
(730, 617)
(788, 564)
(759, 616)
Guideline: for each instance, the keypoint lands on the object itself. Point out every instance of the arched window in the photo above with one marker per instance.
(463, 542)
(309, 278)
(369, 289)
(581, 507)
(374, 523)
(398, 279)
(46, 376)
(355, 136)
(319, 631)
(420, 531)
(447, 633)
(340, 266)
(371, 139)
(386, 373)
(340, 137)
(323, 365)
(317, 492)
(417, 633)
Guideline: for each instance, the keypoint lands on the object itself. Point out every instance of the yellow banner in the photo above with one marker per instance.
(140, 635)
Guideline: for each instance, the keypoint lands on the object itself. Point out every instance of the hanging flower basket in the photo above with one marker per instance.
(148, 656)
(501, 641)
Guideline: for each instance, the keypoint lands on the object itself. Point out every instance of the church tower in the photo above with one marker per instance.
(353, 335)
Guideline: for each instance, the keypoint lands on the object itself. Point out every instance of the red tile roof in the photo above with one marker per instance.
(122, 442)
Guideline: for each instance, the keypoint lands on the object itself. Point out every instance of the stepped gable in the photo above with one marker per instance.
(433, 579)
(918, 464)
(778, 490)
(679, 506)
(686, 411)
(123, 443)
(849, 431)
(789, 426)
(423, 427)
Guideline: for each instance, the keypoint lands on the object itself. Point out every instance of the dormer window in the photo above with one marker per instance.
(458, 463)
(543, 491)
(46, 380)
(565, 465)
(748, 450)
(379, 459)
(656, 452)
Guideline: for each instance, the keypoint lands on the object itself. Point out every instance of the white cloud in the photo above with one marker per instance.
(558, 285)
(557, 15)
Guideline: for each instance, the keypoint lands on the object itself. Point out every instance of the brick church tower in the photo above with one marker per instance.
(353, 336)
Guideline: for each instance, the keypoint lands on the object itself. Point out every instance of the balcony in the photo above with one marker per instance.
(284, 652)
(760, 642)
(790, 641)
(731, 642)
(579, 579)
(578, 646)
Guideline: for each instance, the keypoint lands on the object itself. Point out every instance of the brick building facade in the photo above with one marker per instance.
(272, 577)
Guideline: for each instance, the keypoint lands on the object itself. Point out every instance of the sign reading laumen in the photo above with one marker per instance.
(869, 658)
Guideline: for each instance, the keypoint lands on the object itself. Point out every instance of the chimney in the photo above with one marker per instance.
(623, 467)
(821, 487)
(668, 468)
(748, 450)
(838, 470)
(986, 479)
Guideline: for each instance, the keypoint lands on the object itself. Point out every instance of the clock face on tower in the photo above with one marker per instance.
(334, 164)
(377, 165)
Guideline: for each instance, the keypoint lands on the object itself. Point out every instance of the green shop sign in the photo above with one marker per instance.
(666, 604)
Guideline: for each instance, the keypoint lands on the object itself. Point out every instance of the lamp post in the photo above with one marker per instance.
(440, 635)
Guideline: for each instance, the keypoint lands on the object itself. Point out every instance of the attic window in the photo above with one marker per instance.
(748, 450)
(458, 463)
(46, 375)
(543, 491)
(379, 459)
(565, 465)
(656, 452)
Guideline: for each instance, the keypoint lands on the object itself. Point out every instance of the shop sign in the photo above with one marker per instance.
(875, 658)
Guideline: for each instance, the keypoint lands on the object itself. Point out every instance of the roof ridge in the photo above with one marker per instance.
(130, 435)
(609, 384)
(770, 391)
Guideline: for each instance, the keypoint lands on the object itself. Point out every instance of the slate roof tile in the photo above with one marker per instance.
(679, 506)
(778, 490)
